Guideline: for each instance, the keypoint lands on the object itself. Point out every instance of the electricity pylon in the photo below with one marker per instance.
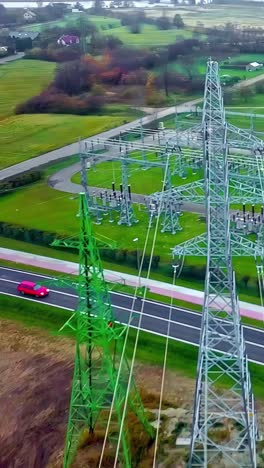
(100, 375)
(222, 357)
(221, 318)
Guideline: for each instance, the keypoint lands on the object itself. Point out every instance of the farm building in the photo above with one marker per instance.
(253, 66)
(23, 35)
(67, 40)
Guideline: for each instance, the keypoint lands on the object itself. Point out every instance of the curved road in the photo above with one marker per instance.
(184, 326)
(11, 58)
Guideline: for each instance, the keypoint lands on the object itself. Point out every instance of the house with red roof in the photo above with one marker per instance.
(67, 40)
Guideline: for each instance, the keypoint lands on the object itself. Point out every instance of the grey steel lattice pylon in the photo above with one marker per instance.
(222, 356)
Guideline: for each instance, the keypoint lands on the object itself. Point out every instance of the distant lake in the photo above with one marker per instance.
(87, 4)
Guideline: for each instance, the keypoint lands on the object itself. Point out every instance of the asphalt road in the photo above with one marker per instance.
(184, 325)
(11, 58)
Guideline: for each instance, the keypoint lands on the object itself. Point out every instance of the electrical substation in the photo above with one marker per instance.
(230, 161)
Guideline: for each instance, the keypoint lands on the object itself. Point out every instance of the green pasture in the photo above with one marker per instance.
(253, 105)
(21, 80)
(104, 22)
(242, 121)
(213, 15)
(149, 35)
(25, 136)
(247, 58)
(210, 15)
(197, 66)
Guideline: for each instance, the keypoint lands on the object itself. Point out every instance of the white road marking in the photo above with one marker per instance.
(121, 308)
(131, 326)
(34, 300)
(161, 304)
(182, 324)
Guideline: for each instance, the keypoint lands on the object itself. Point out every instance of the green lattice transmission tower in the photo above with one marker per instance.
(100, 375)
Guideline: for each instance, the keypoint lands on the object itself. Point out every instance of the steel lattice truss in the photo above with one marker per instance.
(222, 355)
(100, 374)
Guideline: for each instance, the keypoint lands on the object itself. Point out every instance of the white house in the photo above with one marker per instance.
(29, 16)
(253, 66)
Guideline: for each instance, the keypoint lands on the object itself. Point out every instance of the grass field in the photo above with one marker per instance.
(209, 15)
(25, 136)
(198, 66)
(181, 357)
(254, 105)
(101, 22)
(212, 15)
(149, 36)
(55, 211)
(21, 80)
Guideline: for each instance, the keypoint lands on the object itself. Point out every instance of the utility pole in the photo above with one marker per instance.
(100, 374)
(222, 356)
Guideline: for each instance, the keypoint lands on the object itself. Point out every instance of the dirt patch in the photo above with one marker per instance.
(36, 374)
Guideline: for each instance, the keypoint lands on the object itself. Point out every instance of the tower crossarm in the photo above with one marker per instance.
(140, 162)
(194, 192)
(197, 247)
(240, 138)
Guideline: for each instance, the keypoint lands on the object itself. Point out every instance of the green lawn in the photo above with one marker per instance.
(21, 80)
(104, 22)
(25, 136)
(253, 104)
(56, 211)
(149, 36)
(181, 357)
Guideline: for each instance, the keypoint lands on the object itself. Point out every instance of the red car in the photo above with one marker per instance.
(33, 289)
